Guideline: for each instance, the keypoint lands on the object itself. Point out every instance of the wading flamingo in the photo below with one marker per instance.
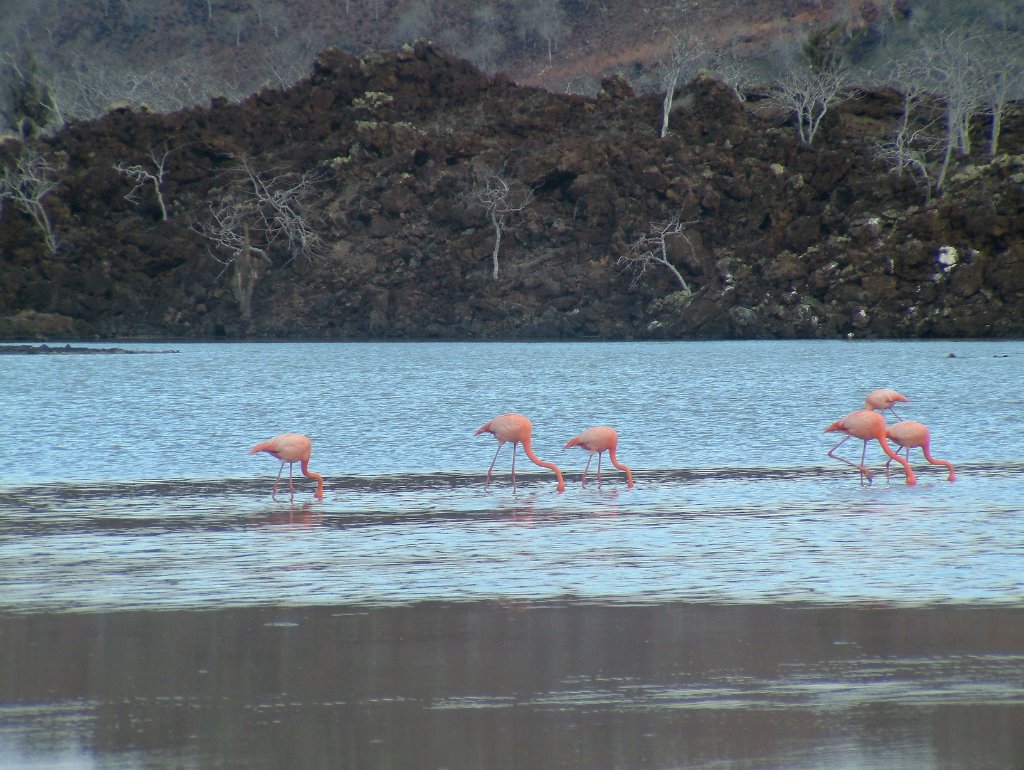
(291, 448)
(517, 429)
(909, 434)
(866, 424)
(601, 439)
(883, 399)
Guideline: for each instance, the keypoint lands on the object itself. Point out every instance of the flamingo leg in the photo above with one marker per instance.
(280, 469)
(587, 468)
(515, 445)
(898, 418)
(911, 481)
(599, 468)
(833, 449)
(488, 480)
(291, 484)
(861, 468)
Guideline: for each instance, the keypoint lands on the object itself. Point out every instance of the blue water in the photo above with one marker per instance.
(125, 480)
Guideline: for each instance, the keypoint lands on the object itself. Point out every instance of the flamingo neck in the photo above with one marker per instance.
(304, 465)
(933, 461)
(911, 480)
(621, 467)
(550, 466)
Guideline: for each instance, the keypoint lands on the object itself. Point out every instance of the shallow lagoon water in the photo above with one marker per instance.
(854, 623)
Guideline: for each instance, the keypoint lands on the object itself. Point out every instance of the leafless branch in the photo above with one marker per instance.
(808, 92)
(544, 18)
(909, 149)
(951, 69)
(258, 216)
(651, 250)
(1002, 64)
(152, 174)
(501, 198)
(27, 185)
(949, 64)
(681, 63)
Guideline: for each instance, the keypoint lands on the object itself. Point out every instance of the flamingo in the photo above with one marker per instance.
(909, 434)
(883, 399)
(866, 424)
(517, 429)
(601, 439)
(291, 448)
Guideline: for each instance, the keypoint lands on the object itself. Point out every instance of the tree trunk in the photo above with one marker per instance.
(997, 124)
(497, 242)
(666, 105)
(940, 180)
(246, 273)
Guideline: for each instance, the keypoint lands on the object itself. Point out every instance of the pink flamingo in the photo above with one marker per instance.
(601, 439)
(517, 429)
(883, 399)
(909, 434)
(291, 448)
(866, 424)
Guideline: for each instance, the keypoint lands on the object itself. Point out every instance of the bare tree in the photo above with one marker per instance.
(916, 141)
(651, 250)
(271, 15)
(88, 85)
(258, 217)
(546, 19)
(152, 174)
(26, 185)
(808, 92)
(1002, 61)
(680, 64)
(735, 71)
(501, 198)
(950, 66)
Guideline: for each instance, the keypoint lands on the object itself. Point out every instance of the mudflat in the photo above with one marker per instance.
(518, 684)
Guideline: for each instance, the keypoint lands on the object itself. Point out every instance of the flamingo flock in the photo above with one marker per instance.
(867, 424)
(294, 448)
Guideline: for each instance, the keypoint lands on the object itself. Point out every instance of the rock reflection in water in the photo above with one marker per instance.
(516, 685)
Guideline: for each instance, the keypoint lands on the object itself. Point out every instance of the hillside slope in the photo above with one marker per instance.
(787, 240)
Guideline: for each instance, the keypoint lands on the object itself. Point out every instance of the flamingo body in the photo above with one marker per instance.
(519, 430)
(883, 399)
(600, 439)
(909, 434)
(291, 448)
(867, 425)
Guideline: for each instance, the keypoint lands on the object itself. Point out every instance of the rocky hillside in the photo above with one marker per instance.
(781, 239)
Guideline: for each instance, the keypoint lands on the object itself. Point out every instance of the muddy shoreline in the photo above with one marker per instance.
(519, 684)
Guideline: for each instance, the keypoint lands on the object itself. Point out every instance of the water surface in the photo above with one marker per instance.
(748, 604)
